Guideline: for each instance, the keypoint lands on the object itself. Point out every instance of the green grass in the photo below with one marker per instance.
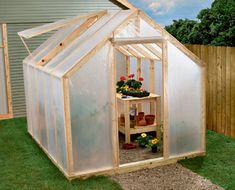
(219, 163)
(23, 165)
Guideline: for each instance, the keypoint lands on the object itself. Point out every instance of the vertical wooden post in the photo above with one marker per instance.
(165, 101)
(115, 142)
(139, 106)
(128, 66)
(67, 125)
(152, 84)
(158, 117)
(127, 121)
(7, 69)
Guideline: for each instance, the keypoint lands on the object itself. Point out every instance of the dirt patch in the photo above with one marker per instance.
(170, 177)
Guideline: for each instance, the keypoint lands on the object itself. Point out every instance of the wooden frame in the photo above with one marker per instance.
(123, 45)
(7, 73)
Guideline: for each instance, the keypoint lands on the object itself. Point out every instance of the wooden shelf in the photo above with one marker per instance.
(139, 129)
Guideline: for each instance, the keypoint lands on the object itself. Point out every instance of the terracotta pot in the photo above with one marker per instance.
(141, 115)
(150, 119)
(142, 122)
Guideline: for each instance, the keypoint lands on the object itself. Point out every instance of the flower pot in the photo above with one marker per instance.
(150, 119)
(142, 122)
(154, 149)
(141, 115)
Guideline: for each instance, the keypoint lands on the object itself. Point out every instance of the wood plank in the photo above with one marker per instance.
(151, 83)
(139, 129)
(7, 69)
(233, 93)
(137, 40)
(123, 51)
(128, 65)
(223, 90)
(127, 121)
(115, 142)
(139, 73)
(165, 102)
(147, 55)
(63, 44)
(67, 125)
(153, 50)
(228, 90)
(219, 90)
(132, 52)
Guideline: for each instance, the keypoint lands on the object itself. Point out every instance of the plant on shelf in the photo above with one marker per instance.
(131, 87)
(143, 140)
(153, 144)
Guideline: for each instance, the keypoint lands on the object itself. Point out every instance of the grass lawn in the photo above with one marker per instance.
(219, 163)
(23, 165)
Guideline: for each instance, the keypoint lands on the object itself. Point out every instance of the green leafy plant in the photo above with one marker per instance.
(143, 140)
(152, 143)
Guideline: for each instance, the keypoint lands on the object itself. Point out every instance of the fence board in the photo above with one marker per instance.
(220, 92)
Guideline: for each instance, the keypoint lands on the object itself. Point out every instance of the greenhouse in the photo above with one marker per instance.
(105, 83)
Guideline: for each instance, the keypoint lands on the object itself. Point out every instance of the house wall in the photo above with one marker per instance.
(23, 14)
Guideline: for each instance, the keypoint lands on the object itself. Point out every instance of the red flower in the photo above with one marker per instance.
(122, 78)
(141, 79)
(131, 76)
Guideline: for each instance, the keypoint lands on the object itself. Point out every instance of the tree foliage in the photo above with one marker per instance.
(215, 26)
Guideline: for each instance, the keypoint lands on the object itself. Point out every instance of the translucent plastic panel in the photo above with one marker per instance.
(91, 117)
(133, 66)
(50, 115)
(3, 92)
(129, 31)
(28, 97)
(66, 53)
(147, 30)
(57, 93)
(42, 114)
(185, 104)
(103, 33)
(120, 65)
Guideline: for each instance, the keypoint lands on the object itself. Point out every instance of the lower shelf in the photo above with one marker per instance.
(139, 129)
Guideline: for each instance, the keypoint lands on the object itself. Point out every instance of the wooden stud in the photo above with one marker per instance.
(153, 50)
(115, 141)
(165, 102)
(152, 83)
(123, 51)
(137, 40)
(7, 69)
(141, 50)
(139, 106)
(63, 44)
(158, 117)
(132, 51)
(127, 121)
(67, 125)
(127, 4)
(128, 65)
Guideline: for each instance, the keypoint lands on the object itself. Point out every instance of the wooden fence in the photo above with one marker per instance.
(220, 91)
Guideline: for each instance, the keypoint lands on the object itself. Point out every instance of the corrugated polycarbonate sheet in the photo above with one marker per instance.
(91, 119)
(185, 102)
(103, 33)
(57, 93)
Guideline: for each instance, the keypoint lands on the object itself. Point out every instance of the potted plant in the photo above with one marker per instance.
(153, 144)
(131, 87)
(143, 140)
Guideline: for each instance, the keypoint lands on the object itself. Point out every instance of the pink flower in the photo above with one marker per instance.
(131, 76)
(122, 78)
(141, 79)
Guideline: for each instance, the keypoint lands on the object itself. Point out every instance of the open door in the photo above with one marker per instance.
(5, 89)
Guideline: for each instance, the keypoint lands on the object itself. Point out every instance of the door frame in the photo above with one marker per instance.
(4, 45)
